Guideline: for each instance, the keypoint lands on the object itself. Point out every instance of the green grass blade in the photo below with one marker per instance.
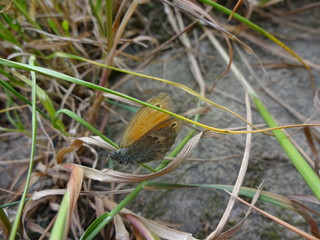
(45, 101)
(53, 26)
(22, 8)
(7, 35)
(8, 20)
(14, 92)
(64, 218)
(66, 27)
(123, 106)
(296, 158)
(65, 77)
(4, 223)
(14, 120)
(10, 78)
(61, 221)
(16, 222)
(97, 225)
(12, 203)
(97, 13)
(85, 124)
(264, 196)
(25, 132)
(109, 28)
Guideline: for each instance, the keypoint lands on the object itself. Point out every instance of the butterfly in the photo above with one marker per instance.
(149, 134)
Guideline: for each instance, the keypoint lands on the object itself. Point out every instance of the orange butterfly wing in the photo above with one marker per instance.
(146, 119)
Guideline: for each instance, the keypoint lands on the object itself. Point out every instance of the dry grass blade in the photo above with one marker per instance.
(109, 175)
(7, 5)
(20, 161)
(177, 24)
(227, 234)
(194, 10)
(120, 229)
(235, 9)
(279, 221)
(198, 110)
(74, 146)
(303, 197)
(281, 102)
(68, 205)
(165, 232)
(78, 143)
(276, 50)
(316, 99)
(310, 136)
(55, 38)
(52, 172)
(5, 224)
(96, 141)
(141, 228)
(74, 187)
(304, 211)
(49, 192)
(241, 175)
(158, 229)
(37, 228)
(92, 113)
(122, 100)
(153, 54)
(304, 8)
(31, 208)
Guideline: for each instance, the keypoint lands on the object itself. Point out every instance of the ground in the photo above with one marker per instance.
(198, 210)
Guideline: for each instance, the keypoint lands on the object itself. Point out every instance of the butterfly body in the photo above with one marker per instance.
(149, 134)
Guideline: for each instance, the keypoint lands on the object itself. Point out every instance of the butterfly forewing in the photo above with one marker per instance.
(146, 119)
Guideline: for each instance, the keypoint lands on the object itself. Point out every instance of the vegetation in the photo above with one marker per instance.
(68, 74)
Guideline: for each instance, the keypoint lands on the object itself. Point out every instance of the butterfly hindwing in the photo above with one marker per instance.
(153, 145)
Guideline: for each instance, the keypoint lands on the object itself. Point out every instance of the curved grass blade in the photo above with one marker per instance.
(62, 224)
(104, 219)
(96, 226)
(83, 123)
(103, 89)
